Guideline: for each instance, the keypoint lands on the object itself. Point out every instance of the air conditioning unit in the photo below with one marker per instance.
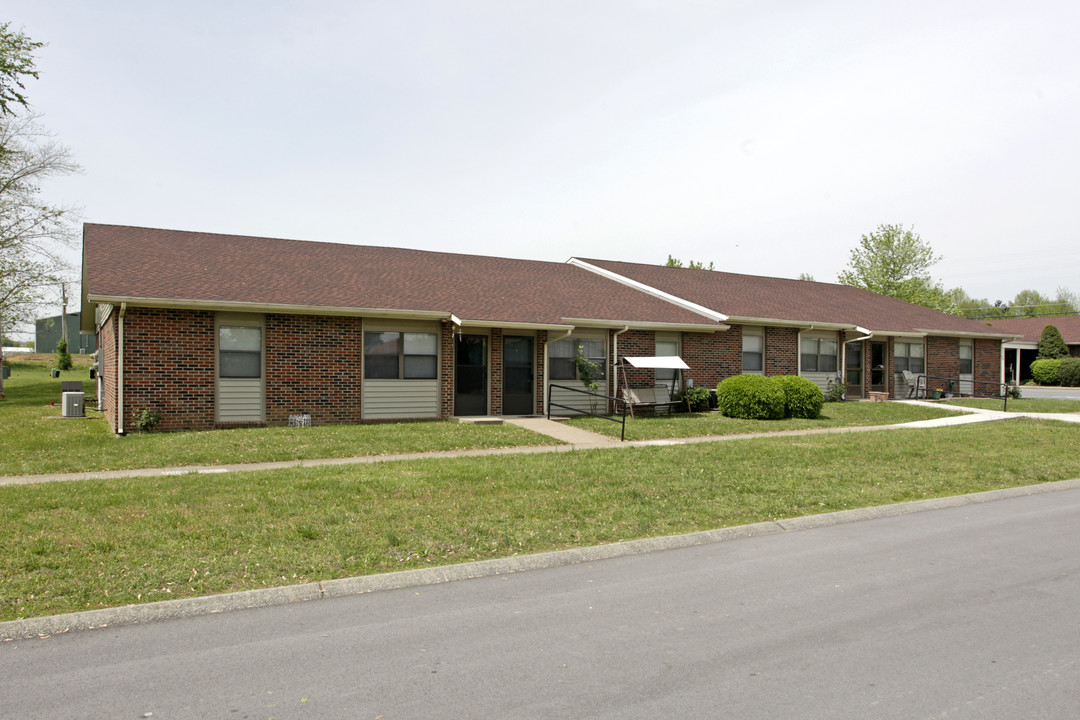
(73, 404)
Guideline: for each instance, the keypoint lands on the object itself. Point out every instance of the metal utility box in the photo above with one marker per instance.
(73, 404)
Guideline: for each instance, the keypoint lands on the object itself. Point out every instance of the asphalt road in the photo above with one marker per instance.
(967, 612)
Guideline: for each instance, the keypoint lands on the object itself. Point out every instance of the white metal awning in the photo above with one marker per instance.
(666, 362)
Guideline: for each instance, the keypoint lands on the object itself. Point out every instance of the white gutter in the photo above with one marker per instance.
(120, 370)
(547, 364)
(649, 290)
(280, 308)
(668, 327)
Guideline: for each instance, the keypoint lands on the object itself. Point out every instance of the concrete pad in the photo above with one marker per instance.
(566, 433)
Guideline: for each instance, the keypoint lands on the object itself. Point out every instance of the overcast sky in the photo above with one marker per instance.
(763, 136)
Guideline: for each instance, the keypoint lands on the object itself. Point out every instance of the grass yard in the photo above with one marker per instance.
(91, 544)
(34, 439)
(1038, 405)
(847, 414)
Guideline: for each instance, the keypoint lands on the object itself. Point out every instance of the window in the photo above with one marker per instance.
(666, 376)
(966, 360)
(753, 351)
(818, 355)
(909, 356)
(394, 355)
(240, 351)
(562, 355)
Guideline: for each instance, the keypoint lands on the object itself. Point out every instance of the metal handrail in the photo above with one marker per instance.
(621, 419)
(1002, 389)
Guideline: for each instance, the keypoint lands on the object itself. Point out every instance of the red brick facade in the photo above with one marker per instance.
(313, 364)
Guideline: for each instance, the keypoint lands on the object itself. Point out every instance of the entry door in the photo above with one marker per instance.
(878, 377)
(470, 375)
(967, 367)
(853, 372)
(518, 396)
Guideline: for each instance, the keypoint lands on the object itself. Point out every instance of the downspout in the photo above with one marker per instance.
(547, 365)
(615, 362)
(120, 370)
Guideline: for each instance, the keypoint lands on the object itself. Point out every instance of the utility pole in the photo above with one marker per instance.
(63, 315)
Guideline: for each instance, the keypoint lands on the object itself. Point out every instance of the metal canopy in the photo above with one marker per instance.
(666, 362)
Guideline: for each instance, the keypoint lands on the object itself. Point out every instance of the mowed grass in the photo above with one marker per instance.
(91, 544)
(846, 414)
(35, 439)
(1037, 405)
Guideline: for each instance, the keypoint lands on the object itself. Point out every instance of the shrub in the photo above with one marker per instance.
(63, 357)
(751, 397)
(1069, 372)
(1051, 344)
(802, 397)
(146, 420)
(1046, 371)
(697, 398)
(835, 391)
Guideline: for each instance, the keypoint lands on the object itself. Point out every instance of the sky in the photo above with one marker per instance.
(764, 136)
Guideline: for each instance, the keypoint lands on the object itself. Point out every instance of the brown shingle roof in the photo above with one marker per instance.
(1031, 328)
(171, 265)
(752, 296)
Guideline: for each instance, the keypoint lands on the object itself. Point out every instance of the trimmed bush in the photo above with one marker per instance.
(1046, 371)
(802, 397)
(1069, 372)
(751, 397)
(1052, 345)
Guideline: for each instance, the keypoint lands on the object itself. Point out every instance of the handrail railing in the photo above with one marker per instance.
(619, 403)
(954, 385)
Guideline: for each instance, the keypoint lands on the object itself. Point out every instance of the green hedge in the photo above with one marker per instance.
(751, 397)
(802, 397)
(1046, 371)
(1069, 372)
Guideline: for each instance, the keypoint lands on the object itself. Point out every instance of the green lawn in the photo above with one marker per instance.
(846, 414)
(90, 544)
(1039, 405)
(34, 439)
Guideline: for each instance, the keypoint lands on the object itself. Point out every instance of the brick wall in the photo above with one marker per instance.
(446, 370)
(637, 343)
(942, 359)
(169, 366)
(781, 351)
(313, 365)
(712, 356)
(496, 372)
(988, 361)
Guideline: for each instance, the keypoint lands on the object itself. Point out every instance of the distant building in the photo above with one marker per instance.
(48, 331)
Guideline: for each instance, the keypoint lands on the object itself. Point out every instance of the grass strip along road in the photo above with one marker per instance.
(100, 543)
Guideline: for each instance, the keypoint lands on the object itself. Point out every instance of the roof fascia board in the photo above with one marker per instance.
(650, 290)
(512, 325)
(673, 327)
(272, 308)
(965, 333)
(793, 323)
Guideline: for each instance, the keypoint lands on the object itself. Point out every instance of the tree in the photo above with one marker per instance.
(806, 276)
(692, 264)
(31, 230)
(895, 261)
(63, 357)
(16, 63)
(1052, 345)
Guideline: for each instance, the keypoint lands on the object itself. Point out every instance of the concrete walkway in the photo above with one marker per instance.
(575, 439)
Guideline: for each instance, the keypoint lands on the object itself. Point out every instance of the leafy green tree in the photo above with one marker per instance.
(16, 63)
(806, 276)
(895, 261)
(692, 264)
(1052, 345)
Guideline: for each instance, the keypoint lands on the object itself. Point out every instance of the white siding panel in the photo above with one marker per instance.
(240, 400)
(822, 379)
(577, 401)
(399, 399)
